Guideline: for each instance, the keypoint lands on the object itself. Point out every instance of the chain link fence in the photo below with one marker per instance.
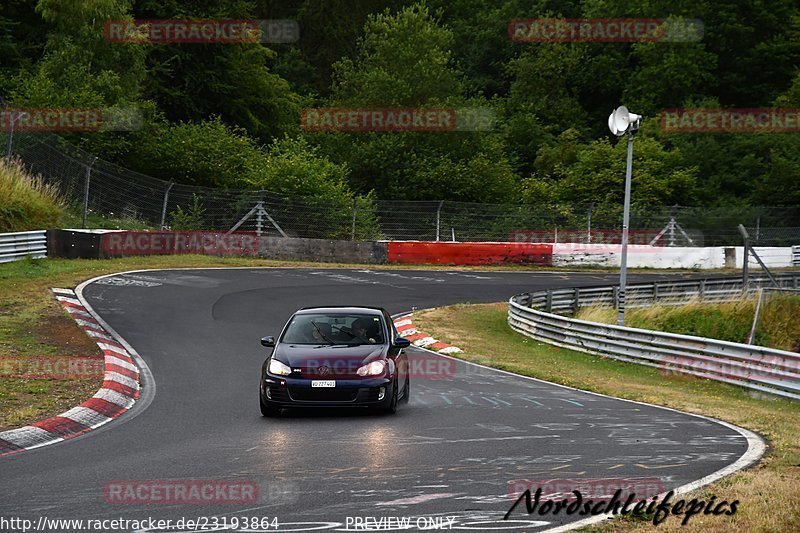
(105, 194)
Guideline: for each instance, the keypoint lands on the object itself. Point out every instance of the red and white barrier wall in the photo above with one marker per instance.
(572, 255)
(469, 253)
(77, 243)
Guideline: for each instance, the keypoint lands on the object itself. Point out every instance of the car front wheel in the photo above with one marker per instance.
(392, 407)
(407, 390)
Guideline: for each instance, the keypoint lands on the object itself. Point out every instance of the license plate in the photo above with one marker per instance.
(320, 383)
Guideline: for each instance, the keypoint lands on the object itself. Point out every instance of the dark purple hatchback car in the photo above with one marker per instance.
(335, 357)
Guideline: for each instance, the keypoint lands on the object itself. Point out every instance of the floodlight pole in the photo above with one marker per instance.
(626, 214)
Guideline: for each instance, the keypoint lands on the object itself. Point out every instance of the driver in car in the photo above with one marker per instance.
(362, 328)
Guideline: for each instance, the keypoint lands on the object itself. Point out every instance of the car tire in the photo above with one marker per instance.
(392, 407)
(407, 390)
(268, 410)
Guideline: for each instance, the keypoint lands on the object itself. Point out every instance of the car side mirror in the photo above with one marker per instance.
(268, 342)
(402, 342)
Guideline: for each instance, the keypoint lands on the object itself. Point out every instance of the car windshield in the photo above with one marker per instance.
(334, 328)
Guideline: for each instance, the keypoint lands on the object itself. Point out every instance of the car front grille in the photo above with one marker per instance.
(322, 394)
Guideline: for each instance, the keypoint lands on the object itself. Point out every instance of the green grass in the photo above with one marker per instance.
(778, 325)
(768, 491)
(26, 202)
(73, 218)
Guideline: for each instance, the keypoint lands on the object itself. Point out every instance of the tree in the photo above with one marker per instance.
(79, 67)
(308, 63)
(317, 189)
(295, 168)
(206, 153)
(595, 172)
(404, 60)
(192, 82)
(667, 75)
(23, 35)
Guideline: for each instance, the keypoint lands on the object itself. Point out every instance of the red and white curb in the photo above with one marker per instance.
(118, 393)
(405, 327)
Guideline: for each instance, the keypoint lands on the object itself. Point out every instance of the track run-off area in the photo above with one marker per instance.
(449, 457)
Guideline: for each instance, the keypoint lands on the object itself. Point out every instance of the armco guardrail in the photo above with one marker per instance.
(763, 369)
(646, 294)
(15, 246)
(796, 256)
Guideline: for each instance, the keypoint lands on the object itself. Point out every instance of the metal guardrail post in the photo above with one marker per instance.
(701, 290)
(615, 296)
(752, 335)
(745, 259)
(589, 224)
(355, 208)
(260, 215)
(655, 292)
(164, 206)
(548, 304)
(438, 219)
(86, 192)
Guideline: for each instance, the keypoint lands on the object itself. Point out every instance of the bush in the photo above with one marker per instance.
(190, 219)
(26, 202)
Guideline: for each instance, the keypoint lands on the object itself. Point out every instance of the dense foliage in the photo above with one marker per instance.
(228, 115)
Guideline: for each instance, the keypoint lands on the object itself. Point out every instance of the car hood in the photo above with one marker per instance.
(341, 361)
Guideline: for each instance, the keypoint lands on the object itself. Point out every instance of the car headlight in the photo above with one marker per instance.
(374, 368)
(278, 368)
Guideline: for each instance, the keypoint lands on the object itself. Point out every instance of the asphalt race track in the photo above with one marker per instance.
(451, 452)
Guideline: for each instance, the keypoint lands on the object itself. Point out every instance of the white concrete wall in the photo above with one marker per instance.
(773, 256)
(645, 256)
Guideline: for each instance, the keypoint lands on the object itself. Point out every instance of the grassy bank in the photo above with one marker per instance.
(778, 324)
(767, 492)
(26, 202)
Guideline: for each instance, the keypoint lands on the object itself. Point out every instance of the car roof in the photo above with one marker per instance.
(341, 309)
